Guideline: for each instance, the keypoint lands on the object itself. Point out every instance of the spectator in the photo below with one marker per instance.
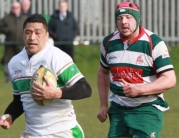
(135, 66)
(11, 26)
(26, 4)
(63, 28)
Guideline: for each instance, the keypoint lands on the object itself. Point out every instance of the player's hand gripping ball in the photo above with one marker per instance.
(38, 77)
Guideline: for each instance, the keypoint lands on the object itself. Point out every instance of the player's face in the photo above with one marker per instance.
(126, 24)
(35, 37)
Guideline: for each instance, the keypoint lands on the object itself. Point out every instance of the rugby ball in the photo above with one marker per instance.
(38, 77)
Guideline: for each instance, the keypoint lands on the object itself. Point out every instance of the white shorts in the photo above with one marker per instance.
(63, 134)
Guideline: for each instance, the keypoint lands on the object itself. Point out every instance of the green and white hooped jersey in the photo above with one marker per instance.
(135, 64)
(59, 114)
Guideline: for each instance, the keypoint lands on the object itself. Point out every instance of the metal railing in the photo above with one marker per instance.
(96, 17)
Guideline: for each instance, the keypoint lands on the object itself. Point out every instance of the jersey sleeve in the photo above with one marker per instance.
(14, 86)
(104, 51)
(68, 73)
(103, 61)
(161, 56)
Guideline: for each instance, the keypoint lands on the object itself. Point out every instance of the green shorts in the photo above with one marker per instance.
(140, 122)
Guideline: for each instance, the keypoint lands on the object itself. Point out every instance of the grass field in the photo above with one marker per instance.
(87, 59)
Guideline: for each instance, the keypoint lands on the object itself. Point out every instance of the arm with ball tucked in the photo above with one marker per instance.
(81, 89)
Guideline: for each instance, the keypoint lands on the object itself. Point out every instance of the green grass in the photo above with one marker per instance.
(87, 59)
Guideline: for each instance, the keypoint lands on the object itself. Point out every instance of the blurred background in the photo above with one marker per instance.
(96, 17)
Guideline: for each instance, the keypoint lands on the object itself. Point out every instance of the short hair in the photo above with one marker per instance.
(60, 1)
(36, 18)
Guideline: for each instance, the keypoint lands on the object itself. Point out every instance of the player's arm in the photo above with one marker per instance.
(166, 75)
(103, 81)
(15, 108)
(5, 121)
(13, 111)
(81, 89)
(166, 78)
(164, 82)
(103, 85)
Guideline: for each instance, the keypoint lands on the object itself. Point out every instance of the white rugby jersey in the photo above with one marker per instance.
(59, 114)
(135, 63)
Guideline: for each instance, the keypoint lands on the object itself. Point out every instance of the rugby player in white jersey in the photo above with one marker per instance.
(135, 66)
(57, 119)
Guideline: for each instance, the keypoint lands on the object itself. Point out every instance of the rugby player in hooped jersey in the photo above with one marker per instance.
(57, 119)
(135, 66)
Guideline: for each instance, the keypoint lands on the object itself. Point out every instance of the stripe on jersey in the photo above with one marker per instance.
(21, 85)
(70, 74)
(77, 132)
(129, 57)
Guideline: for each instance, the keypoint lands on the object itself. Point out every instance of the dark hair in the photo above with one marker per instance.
(36, 18)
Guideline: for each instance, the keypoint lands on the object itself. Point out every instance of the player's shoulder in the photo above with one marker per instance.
(18, 57)
(152, 34)
(108, 37)
(58, 55)
(155, 38)
(55, 51)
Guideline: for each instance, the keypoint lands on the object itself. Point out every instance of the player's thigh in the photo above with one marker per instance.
(75, 132)
(141, 122)
(145, 122)
(117, 127)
